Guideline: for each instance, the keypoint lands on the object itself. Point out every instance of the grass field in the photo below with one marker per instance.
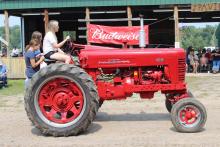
(15, 87)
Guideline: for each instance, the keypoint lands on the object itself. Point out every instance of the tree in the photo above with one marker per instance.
(15, 40)
(198, 37)
(217, 34)
(14, 36)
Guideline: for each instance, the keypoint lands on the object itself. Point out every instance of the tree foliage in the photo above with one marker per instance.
(14, 36)
(217, 34)
(198, 37)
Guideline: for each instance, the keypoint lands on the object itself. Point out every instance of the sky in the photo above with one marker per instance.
(16, 21)
(12, 20)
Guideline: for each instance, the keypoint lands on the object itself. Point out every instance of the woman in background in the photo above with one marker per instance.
(193, 59)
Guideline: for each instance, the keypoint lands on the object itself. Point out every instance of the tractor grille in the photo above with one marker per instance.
(181, 69)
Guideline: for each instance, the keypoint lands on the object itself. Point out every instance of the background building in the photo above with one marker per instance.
(74, 15)
(162, 16)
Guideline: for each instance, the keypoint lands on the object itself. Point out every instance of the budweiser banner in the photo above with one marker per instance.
(115, 35)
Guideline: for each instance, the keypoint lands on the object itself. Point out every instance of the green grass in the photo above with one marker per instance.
(15, 87)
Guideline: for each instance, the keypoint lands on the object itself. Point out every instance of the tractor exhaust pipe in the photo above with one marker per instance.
(142, 33)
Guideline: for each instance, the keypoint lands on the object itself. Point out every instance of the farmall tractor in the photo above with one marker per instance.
(63, 99)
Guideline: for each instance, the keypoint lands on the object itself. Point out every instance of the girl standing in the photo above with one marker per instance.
(32, 65)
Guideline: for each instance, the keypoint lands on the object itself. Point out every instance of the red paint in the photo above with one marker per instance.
(143, 71)
(115, 35)
(188, 115)
(60, 100)
(117, 73)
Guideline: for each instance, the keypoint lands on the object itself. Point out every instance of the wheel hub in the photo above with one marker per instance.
(188, 115)
(60, 100)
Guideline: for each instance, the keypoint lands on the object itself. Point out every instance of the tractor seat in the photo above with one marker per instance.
(49, 61)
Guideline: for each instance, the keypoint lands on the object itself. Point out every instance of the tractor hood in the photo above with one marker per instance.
(106, 57)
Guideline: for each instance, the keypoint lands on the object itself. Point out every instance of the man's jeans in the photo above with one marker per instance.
(216, 65)
(4, 79)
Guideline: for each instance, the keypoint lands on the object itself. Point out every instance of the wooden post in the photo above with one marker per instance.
(87, 23)
(177, 31)
(8, 40)
(129, 14)
(46, 20)
(7, 32)
(22, 35)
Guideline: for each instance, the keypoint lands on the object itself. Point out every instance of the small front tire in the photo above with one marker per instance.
(188, 115)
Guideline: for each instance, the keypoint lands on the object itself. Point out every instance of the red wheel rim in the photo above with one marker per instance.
(60, 100)
(189, 116)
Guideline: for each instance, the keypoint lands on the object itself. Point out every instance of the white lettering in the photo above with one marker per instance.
(124, 36)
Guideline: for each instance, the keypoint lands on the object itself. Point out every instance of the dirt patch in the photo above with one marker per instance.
(133, 122)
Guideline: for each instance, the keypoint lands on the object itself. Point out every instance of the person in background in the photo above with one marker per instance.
(193, 60)
(199, 53)
(3, 74)
(51, 47)
(32, 65)
(4, 51)
(208, 55)
(216, 60)
(187, 59)
(15, 52)
(203, 62)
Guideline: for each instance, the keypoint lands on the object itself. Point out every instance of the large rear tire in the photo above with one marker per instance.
(61, 100)
(188, 115)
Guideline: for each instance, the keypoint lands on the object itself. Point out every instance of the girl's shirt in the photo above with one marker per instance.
(49, 39)
(191, 59)
(30, 71)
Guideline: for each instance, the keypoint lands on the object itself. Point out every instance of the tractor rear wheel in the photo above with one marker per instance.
(188, 115)
(61, 100)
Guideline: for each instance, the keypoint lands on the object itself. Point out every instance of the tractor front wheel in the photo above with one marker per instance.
(188, 115)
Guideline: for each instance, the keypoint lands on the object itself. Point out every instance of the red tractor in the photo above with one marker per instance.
(63, 99)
